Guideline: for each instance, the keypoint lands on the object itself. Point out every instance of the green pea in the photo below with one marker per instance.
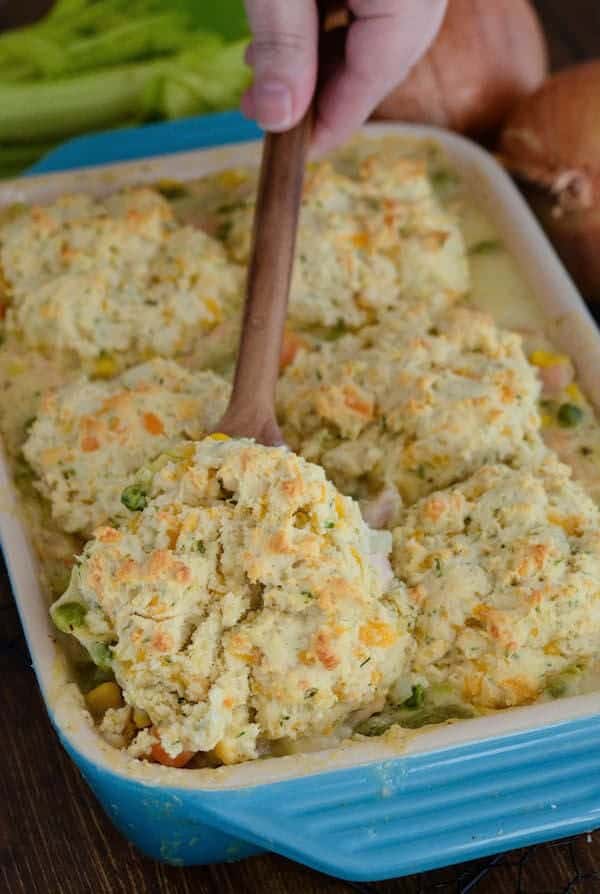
(134, 497)
(69, 615)
(569, 415)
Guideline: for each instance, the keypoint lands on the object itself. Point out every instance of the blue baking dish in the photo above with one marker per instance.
(377, 808)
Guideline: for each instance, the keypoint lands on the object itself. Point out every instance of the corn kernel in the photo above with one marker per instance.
(356, 555)
(105, 367)
(360, 240)
(214, 308)
(377, 633)
(105, 696)
(141, 718)
(571, 524)
(547, 358)
(574, 392)
(218, 436)
(226, 751)
(232, 178)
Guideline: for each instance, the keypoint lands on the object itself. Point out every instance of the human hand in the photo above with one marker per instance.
(384, 41)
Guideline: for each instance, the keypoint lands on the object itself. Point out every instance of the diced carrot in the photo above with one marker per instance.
(292, 343)
(360, 240)
(358, 404)
(153, 424)
(89, 444)
(160, 756)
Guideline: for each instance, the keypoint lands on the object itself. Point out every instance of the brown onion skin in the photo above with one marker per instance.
(487, 56)
(551, 143)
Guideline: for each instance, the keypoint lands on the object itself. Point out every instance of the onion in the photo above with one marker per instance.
(552, 143)
(487, 56)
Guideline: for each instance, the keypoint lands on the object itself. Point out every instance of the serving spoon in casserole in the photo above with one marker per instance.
(251, 409)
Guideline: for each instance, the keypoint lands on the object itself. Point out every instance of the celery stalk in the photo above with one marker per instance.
(55, 109)
(202, 81)
(194, 81)
(151, 36)
(76, 37)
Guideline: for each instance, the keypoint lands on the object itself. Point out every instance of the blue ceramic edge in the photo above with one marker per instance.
(381, 820)
(127, 144)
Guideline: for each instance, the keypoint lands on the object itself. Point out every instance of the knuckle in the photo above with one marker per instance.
(279, 47)
(374, 9)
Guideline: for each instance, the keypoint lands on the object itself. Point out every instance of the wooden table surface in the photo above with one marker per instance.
(55, 839)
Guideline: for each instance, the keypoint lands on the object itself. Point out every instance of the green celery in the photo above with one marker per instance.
(209, 76)
(61, 108)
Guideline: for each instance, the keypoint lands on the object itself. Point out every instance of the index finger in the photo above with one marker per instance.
(383, 43)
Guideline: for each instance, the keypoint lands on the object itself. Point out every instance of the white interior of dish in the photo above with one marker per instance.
(570, 326)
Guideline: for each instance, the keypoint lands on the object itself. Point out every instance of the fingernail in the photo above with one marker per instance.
(273, 103)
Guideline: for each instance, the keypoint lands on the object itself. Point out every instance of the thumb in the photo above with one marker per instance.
(283, 54)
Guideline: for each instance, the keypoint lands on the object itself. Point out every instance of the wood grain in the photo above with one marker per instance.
(54, 838)
(251, 410)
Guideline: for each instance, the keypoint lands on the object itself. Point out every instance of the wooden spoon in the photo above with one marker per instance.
(251, 409)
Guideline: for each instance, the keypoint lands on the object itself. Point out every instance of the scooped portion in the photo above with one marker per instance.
(90, 437)
(247, 602)
(415, 403)
(503, 570)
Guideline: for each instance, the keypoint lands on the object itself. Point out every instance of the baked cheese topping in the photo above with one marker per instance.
(416, 402)
(91, 436)
(119, 275)
(365, 243)
(504, 572)
(247, 602)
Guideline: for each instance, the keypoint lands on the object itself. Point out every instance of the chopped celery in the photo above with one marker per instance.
(416, 699)
(89, 676)
(437, 714)
(413, 719)
(101, 654)
(68, 615)
(565, 682)
(486, 247)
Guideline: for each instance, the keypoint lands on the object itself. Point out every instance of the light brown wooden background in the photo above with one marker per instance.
(54, 839)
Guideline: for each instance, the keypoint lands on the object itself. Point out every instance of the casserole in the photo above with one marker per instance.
(373, 809)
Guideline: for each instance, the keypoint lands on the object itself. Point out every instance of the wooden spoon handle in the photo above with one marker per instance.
(251, 410)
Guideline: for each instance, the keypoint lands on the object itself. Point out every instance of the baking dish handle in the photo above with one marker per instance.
(387, 819)
(129, 143)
